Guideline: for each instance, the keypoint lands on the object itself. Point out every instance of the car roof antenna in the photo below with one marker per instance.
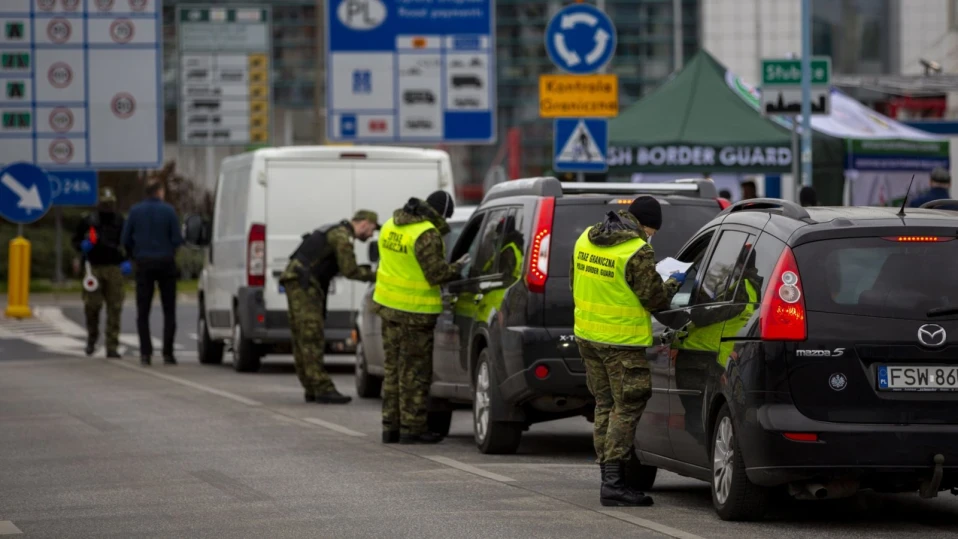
(901, 212)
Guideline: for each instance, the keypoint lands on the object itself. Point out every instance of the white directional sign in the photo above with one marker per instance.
(580, 39)
(80, 83)
(225, 83)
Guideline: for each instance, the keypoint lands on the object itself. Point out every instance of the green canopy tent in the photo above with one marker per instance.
(699, 122)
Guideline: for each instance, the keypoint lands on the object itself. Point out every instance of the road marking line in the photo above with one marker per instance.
(462, 466)
(332, 426)
(7, 528)
(648, 524)
(187, 383)
(535, 465)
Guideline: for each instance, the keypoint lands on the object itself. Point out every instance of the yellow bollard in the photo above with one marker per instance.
(18, 279)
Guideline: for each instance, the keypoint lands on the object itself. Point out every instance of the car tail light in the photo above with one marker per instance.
(918, 239)
(801, 436)
(783, 306)
(256, 255)
(723, 202)
(538, 270)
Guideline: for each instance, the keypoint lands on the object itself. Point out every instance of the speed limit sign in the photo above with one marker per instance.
(123, 105)
(121, 30)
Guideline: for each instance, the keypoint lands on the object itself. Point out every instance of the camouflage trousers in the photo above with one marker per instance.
(110, 292)
(621, 382)
(408, 373)
(306, 307)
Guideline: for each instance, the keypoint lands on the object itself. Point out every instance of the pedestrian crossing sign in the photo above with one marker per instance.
(580, 144)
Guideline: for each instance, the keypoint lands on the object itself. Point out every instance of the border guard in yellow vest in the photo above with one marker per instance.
(412, 265)
(616, 287)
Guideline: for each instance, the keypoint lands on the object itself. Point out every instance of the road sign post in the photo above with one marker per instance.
(421, 74)
(580, 40)
(25, 197)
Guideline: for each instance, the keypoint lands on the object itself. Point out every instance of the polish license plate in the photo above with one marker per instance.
(917, 378)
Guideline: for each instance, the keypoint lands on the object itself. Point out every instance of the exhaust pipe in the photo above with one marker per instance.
(818, 491)
(560, 401)
(840, 488)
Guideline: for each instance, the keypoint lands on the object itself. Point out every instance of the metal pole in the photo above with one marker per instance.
(796, 167)
(210, 166)
(19, 231)
(320, 83)
(288, 128)
(678, 44)
(580, 176)
(58, 248)
(807, 92)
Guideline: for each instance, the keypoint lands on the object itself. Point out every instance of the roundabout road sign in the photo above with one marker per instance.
(580, 39)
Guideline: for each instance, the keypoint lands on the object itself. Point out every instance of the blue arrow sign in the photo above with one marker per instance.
(73, 187)
(580, 39)
(25, 194)
(580, 145)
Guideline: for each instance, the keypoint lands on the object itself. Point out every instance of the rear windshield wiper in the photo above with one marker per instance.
(942, 311)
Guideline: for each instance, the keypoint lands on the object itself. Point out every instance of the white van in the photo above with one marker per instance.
(265, 201)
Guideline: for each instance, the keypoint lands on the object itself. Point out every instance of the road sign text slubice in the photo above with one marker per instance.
(790, 72)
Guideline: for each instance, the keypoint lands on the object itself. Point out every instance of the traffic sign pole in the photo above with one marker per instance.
(806, 93)
(580, 177)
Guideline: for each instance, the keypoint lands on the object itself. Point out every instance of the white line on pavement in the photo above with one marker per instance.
(535, 465)
(187, 383)
(462, 466)
(7, 528)
(332, 426)
(648, 524)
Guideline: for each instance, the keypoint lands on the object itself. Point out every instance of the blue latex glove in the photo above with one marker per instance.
(86, 246)
(126, 268)
(678, 276)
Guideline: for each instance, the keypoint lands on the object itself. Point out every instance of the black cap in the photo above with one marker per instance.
(648, 211)
(442, 202)
(940, 175)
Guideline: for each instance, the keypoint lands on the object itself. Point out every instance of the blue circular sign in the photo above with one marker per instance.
(25, 194)
(580, 39)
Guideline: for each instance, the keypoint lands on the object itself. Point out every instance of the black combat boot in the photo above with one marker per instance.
(390, 436)
(169, 360)
(615, 493)
(309, 396)
(145, 361)
(426, 438)
(90, 346)
(332, 397)
(113, 354)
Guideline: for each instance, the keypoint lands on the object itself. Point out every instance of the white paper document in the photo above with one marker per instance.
(669, 266)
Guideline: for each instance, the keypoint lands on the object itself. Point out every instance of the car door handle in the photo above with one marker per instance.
(478, 298)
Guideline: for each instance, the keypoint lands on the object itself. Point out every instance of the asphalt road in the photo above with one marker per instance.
(98, 448)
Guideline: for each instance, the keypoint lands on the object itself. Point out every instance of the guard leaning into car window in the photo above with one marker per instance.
(615, 287)
(323, 254)
(412, 265)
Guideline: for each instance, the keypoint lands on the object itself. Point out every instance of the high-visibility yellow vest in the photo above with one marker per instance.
(733, 326)
(607, 311)
(709, 338)
(517, 270)
(400, 282)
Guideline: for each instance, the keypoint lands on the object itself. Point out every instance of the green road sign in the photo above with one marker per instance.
(788, 72)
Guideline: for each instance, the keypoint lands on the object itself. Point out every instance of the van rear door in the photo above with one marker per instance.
(300, 197)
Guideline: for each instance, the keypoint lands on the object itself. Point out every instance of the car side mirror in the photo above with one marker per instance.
(196, 231)
(374, 252)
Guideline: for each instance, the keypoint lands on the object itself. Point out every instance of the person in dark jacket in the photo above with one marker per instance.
(97, 239)
(940, 188)
(807, 197)
(151, 237)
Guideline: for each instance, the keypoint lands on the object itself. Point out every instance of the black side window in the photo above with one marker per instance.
(715, 284)
(513, 245)
(484, 261)
(468, 242)
(758, 267)
(694, 254)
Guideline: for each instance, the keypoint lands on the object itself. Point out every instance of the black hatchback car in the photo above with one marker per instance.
(813, 350)
(504, 340)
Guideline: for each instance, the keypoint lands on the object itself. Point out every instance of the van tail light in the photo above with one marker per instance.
(256, 253)
(723, 202)
(918, 239)
(538, 270)
(783, 306)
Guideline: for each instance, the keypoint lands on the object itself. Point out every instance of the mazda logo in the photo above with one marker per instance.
(931, 335)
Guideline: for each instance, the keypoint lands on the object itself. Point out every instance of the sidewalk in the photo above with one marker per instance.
(74, 298)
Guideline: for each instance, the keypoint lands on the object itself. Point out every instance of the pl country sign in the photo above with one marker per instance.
(701, 158)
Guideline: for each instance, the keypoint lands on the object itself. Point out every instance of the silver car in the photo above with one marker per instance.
(369, 347)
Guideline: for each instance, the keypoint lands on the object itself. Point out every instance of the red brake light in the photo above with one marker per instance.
(723, 202)
(256, 255)
(918, 239)
(801, 436)
(783, 306)
(538, 270)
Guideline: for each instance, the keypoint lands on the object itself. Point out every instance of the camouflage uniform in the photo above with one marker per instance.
(408, 337)
(105, 258)
(307, 306)
(619, 377)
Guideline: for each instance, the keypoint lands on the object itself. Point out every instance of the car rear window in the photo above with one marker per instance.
(878, 277)
(679, 224)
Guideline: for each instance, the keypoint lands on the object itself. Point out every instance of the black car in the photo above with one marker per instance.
(504, 340)
(810, 350)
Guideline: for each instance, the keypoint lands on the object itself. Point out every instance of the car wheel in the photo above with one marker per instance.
(638, 475)
(492, 437)
(734, 496)
(210, 352)
(439, 421)
(367, 385)
(245, 355)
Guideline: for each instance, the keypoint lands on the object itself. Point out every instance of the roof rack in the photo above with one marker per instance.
(788, 208)
(941, 204)
(549, 186)
(544, 187)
